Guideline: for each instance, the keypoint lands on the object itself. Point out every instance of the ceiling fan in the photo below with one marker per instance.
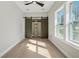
(39, 3)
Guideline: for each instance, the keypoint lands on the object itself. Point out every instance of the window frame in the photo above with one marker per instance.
(56, 12)
(67, 39)
(70, 39)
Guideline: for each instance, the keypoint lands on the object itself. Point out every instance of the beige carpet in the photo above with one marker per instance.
(34, 48)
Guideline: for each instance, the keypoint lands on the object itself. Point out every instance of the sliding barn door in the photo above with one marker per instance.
(28, 27)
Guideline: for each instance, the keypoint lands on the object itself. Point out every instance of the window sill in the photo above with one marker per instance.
(73, 44)
(70, 43)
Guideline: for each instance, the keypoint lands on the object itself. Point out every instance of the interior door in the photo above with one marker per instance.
(36, 29)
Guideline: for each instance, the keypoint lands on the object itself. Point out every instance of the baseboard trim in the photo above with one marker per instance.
(63, 52)
(7, 50)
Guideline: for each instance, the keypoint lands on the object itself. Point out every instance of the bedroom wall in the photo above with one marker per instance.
(11, 26)
(43, 14)
(64, 46)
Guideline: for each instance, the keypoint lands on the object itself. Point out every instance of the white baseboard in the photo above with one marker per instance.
(66, 54)
(7, 50)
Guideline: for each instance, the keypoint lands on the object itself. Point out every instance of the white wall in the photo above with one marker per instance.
(11, 26)
(68, 49)
(44, 14)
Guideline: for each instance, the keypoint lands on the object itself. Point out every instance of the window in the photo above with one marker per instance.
(74, 22)
(59, 23)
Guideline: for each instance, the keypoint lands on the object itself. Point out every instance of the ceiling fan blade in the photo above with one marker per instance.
(29, 3)
(41, 4)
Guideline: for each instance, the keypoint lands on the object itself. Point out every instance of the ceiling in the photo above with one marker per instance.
(34, 7)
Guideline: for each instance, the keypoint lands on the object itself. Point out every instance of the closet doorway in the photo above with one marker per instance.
(36, 27)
